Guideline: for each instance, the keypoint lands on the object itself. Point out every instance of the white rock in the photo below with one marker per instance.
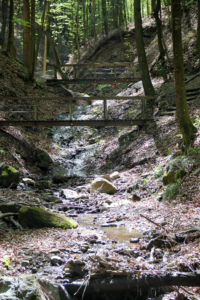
(56, 260)
(114, 175)
(70, 194)
(28, 181)
(102, 186)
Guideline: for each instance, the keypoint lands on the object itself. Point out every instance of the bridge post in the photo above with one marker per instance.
(95, 75)
(35, 110)
(115, 71)
(70, 110)
(74, 72)
(55, 73)
(144, 107)
(105, 110)
(129, 70)
(135, 71)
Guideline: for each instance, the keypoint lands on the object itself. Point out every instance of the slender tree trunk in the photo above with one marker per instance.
(198, 29)
(105, 19)
(182, 112)
(45, 41)
(77, 24)
(159, 30)
(93, 30)
(40, 34)
(84, 23)
(27, 33)
(4, 19)
(32, 56)
(10, 45)
(143, 66)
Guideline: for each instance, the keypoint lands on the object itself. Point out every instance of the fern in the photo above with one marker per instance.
(171, 191)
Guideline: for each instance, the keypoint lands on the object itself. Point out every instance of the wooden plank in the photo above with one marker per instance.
(105, 109)
(93, 65)
(143, 114)
(35, 110)
(78, 123)
(82, 98)
(93, 81)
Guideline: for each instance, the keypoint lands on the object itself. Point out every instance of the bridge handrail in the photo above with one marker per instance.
(95, 65)
(71, 99)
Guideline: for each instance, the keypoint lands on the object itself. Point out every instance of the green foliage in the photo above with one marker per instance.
(6, 262)
(171, 191)
(2, 151)
(158, 172)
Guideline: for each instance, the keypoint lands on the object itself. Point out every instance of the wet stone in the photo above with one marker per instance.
(134, 240)
(25, 263)
(109, 225)
(54, 251)
(56, 260)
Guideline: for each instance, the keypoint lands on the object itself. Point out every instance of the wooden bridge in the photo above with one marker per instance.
(97, 73)
(29, 108)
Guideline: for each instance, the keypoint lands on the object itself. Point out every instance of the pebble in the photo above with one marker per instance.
(54, 251)
(56, 260)
(25, 263)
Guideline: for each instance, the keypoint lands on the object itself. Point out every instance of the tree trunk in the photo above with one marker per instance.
(84, 23)
(4, 19)
(77, 24)
(27, 33)
(143, 66)
(40, 34)
(10, 45)
(198, 29)
(159, 30)
(132, 283)
(32, 56)
(182, 112)
(46, 29)
(105, 19)
(93, 30)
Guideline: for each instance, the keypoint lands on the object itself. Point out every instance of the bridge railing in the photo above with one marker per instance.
(34, 103)
(93, 69)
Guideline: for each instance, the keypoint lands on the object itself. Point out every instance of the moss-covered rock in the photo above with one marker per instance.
(8, 176)
(44, 160)
(58, 178)
(43, 184)
(35, 217)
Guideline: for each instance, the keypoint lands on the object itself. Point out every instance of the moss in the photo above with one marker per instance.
(8, 176)
(42, 185)
(179, 174)
(35, 217)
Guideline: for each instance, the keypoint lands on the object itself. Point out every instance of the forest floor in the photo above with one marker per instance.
(132, 231)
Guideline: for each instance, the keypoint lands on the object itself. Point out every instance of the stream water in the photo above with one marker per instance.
(73, 156)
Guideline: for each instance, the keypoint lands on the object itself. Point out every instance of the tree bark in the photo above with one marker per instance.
(104, 15)
(182, 112)
(159, 30)
(46, 29)
(4, 19)
(198, 30)
(143, 66)
(126, 284)
(40, 34)
(32, 55)
(27, 33)
(10, 45)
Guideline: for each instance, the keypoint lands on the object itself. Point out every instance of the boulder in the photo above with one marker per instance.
(24, 287)
(9, 207)
(35, 217)
(28, 181)
(107, 177)
(59, 178)
(43, 184)
(114, 175)
(44, 160)
(69, 194)
(102, 186)
(8, 176)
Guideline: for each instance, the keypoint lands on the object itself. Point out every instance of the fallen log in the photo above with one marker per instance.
(113, 285)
